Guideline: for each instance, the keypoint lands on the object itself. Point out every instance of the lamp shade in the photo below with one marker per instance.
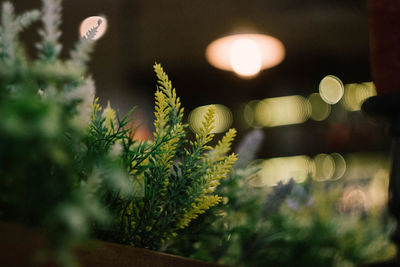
(245, 54)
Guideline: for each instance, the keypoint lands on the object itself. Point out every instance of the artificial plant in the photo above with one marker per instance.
(72, 167)
(174, 178)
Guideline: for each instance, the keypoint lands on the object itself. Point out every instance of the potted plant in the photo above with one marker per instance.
(71, 169)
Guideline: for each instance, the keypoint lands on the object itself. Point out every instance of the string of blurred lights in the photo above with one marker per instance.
(296, 109)
(289, 110)
(322, 167)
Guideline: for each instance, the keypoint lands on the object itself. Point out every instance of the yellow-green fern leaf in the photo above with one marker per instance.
(161, 113)
(110, 117)
(200, 206)
(223, 146)
(218, 172)
(165, 86)
(205, 133)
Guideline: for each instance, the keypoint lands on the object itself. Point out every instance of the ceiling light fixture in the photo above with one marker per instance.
(245, 54)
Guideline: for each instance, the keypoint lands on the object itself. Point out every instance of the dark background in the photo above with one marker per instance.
(321, 37)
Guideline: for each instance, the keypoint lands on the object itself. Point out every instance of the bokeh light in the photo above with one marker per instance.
(340, 166)
(271, 112)
(283, 169)
(364, 165)
(246, 54)
(245, 57)
(354, 200)
(377, 191)
(331, 89)
(320, 110)
(248, 113)
(223, 118)
(92, 22)
(324, 167)
(356, 93)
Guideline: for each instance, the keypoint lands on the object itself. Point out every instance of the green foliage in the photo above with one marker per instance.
(175, 178)
(72, 168)
(49, 176)
(288, 224)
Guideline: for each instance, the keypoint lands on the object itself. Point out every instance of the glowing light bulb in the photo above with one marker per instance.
(92, 22)
(245, 57)
(245, 54)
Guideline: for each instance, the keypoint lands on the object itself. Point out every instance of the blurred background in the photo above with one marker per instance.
(305, 131)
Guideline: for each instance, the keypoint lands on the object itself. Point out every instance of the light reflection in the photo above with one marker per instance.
(278, 111)
(340, 166)
(248, 113)
(320, 110)
(92, 22)
(356, 93)
(331, 89)
(283, 169)
(223, 118)
(324, 167)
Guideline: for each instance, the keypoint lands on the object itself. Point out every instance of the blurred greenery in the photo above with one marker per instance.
(301, 224)
(74, 169)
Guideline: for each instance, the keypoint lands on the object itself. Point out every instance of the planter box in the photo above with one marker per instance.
(18, 247)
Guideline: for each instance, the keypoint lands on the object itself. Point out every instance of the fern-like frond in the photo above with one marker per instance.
(205, 134)
(219, 171)
(50, 46)
(27, 19)
(80, 56)
(206, 199)
(110, 118)
(223, 146)
(168, 126)
(161, 113)
(84, 96)
(11, 26)
(198, 207)
(165, 85)
(9, 31)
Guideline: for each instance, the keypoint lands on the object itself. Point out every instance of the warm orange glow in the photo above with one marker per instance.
(245, 54)
(91, 22)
